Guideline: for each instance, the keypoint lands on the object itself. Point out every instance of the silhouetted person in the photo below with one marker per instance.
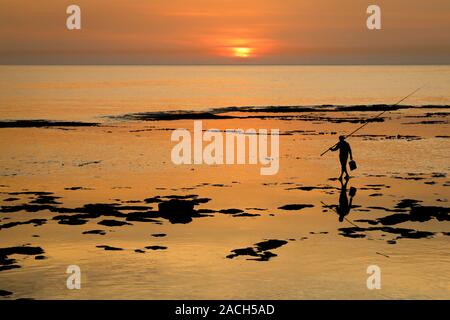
(343, 209)
(344, 151)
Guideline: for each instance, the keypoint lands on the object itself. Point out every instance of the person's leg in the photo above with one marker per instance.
(342, 170)
(344, 166)
(347, 176)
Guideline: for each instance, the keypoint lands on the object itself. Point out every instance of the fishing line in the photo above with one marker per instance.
(373, 118)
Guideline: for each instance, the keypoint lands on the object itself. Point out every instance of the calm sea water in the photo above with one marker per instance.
(85, 92)
(126, 163)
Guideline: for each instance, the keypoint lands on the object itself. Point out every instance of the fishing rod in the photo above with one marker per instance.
(373, 118)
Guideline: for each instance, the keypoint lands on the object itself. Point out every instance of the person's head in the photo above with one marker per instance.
(341, 138)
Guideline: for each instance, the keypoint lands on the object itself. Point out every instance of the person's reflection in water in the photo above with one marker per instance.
(345, 205)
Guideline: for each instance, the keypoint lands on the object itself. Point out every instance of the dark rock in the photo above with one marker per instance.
(34, 222)
(259, 251)
(243, 252)
(46, 199)
(156, 248)
(44, 123)
(7, 263)
(295, 206)
(147, 216)
(113, 223)
(11, 199)
(245, 214)
(4, 293)
(99, 232)
(109, 248)
(231, 211)
(270, 244)
(174, 206)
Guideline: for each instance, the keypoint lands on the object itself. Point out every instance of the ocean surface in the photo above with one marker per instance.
(87, 92)
(93, 195)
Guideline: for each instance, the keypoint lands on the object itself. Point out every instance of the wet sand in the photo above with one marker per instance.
(105, 196)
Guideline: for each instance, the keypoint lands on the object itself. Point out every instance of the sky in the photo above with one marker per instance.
(225, 32)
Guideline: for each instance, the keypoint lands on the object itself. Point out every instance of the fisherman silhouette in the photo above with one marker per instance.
(344, 150)
(344, 207)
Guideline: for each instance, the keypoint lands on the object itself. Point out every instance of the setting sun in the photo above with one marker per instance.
(242, 52)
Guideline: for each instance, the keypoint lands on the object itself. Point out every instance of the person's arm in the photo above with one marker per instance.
(335, 148)
(350, 151)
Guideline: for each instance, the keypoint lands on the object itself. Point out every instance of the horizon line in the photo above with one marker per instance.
(224, 64)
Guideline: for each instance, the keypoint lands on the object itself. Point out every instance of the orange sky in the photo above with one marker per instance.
(211, 31)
